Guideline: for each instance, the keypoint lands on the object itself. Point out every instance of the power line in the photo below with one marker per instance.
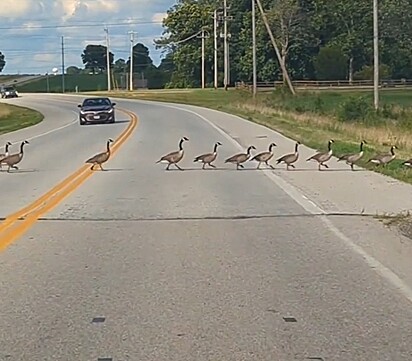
(128, 23)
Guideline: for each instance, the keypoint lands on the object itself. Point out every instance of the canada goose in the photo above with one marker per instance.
(352, 158)
(13, 159)
(240, 157)
(208, 158)
(265, 157)
(323, 157)
(408, 163)
(384, 158)
(6, 153)
(174, 157)
(290, 158)
(101, 157)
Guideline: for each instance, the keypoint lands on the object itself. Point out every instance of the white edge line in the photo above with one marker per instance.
(312, 208)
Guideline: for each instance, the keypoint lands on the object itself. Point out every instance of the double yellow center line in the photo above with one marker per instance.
(16, 224)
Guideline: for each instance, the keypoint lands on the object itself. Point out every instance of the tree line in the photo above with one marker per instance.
(317, 39)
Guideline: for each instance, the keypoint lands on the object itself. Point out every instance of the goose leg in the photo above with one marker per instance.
(258, 166)
(213, 166)
(167, 168)
(291, 165)
(178, 167)
(101, 167)
(352, 167)
(241, 166)
(269, 165)
(325, 165)
(203, 166)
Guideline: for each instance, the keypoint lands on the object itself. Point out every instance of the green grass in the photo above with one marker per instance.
(312, 118)
(14, 118)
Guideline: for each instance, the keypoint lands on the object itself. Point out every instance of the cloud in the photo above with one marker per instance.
(159, 17)
(32, 29)
(13, 8)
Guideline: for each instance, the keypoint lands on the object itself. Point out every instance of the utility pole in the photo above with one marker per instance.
(131, 59)
(63, 85)
(215, 46)
(375, 55)
(226, 44)
(272, 38)
(203, 36)
(108, 59)
(254, 47)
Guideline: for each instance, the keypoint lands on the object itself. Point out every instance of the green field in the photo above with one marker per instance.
(13, 118)
(315, 117)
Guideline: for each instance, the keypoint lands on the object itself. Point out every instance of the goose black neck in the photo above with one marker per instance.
(329, 145)
(393, 150)
(249, 149)
(296, 147)
(361, 147)
(215, 148)
(181, 144)
(271, 147)
(108, 146)
(21, 146)
(7, 147)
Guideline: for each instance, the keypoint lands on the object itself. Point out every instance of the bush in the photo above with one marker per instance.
(355, 108)
(330, 64)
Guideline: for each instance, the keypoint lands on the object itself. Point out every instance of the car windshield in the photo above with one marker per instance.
(96, 102)
(8, 89)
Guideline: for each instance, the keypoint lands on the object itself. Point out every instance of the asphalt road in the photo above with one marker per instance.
(194, 265)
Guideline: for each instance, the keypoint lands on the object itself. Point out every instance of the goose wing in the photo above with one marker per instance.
(235, 157)
(96, 157)
(203, 157)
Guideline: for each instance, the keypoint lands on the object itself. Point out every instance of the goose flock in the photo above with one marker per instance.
(173, 158)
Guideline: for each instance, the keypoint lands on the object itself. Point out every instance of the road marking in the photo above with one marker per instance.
(312, 208)
(16, 224)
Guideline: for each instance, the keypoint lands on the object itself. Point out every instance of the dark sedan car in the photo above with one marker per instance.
(9, 92)
(96, 110)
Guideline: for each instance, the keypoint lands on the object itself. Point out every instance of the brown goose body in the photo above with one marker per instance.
(385, 158)
(240, 157)
(352, 158)
(290, 158)
(174, 157)
(100, 158)
(323, 157)
(5, 154)
(13, 159)
(265, 157)
(208, 158)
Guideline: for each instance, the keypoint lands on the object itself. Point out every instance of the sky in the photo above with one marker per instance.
(32, 30)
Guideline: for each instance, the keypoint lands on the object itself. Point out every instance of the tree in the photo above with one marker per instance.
(120, 66)
(184, 21)
(141, 58)
(330, 64)
(347, 24)
(95, 59)
(73, 70)
(290, 27)
(2, 62)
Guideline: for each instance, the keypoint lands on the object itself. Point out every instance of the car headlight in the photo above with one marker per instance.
(111, 110)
